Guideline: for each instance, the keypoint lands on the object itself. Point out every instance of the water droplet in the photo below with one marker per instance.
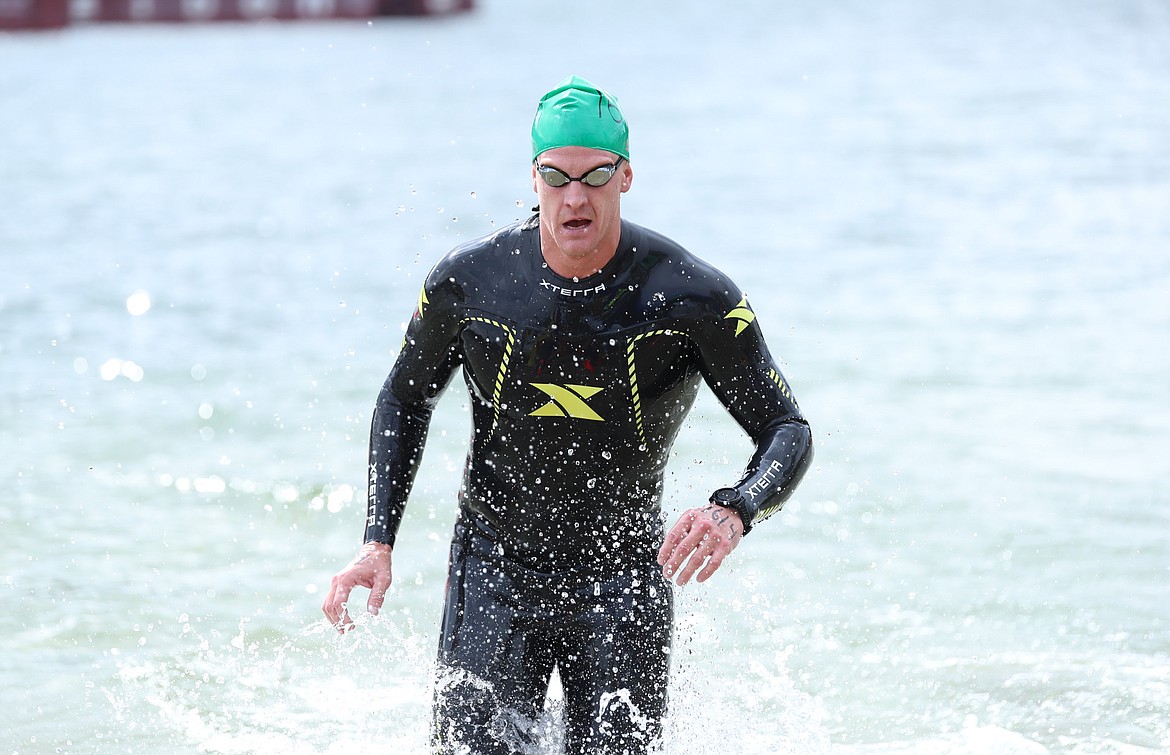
(138, 303)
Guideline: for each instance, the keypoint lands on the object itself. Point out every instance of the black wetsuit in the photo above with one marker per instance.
(578, 389)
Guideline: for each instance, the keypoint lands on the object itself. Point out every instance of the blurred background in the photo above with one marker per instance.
(951, 219)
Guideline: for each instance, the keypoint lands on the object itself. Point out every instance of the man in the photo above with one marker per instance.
(582, 339)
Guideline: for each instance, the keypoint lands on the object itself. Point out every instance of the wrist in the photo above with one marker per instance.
(730, 498)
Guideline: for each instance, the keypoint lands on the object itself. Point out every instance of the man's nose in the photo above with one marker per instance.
(576, 194)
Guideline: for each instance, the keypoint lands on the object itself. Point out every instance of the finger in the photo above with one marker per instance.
(675, 558)
(337, 613)
(678, 557)
(378, 589)
(698, 533)
(713, 564)
(692, 551)
(667, 546)
(676, 534)
(338, 610)
(327, 606)
(693, 563)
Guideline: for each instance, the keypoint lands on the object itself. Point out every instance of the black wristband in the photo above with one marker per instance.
(730, 498)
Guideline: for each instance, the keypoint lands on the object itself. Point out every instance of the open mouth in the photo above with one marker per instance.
(577, 224)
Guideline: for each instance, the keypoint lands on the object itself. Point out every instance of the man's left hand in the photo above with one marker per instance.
(700, 535)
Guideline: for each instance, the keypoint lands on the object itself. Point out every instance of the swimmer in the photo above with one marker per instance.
(583, 340)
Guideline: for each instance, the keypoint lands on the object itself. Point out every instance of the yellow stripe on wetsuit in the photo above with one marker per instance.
(498, 389)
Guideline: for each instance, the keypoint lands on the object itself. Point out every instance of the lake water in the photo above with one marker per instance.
(953, 221)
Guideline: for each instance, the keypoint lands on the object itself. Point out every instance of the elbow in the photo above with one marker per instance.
(802, 449)
(809, 450)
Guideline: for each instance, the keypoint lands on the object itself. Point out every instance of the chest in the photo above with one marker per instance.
(584, 367)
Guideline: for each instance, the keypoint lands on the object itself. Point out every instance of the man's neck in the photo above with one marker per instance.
(569, 266)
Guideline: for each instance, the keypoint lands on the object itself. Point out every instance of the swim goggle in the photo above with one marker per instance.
(556, 178)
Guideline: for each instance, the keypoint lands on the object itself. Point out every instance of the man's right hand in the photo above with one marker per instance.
(370, 568)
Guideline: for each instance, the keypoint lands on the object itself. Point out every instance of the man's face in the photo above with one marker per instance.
(580, 225)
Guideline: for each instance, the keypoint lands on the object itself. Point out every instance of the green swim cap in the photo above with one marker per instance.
(578, 114)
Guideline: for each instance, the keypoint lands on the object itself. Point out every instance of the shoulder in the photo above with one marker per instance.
(682, 276)
(477, 258)
(483, 249)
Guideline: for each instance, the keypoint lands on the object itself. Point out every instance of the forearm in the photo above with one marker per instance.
(397, 436)
(783, 455)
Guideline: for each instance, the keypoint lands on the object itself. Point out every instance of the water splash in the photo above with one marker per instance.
(266, 691)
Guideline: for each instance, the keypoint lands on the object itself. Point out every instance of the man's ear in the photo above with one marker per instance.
(627, 177)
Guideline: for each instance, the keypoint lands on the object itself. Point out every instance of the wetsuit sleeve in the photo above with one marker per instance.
(402, 415)
(738, 368)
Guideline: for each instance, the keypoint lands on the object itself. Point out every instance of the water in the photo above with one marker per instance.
(952, 221)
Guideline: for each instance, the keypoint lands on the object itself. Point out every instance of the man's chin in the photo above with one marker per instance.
(577, 245)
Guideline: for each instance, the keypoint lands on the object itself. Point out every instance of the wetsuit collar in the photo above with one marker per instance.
(581, 288)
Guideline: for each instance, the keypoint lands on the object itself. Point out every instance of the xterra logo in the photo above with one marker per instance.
(742, 314)
(567, 401)
(422, 302)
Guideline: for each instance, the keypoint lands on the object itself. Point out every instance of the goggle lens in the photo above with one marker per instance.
(557, 178)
